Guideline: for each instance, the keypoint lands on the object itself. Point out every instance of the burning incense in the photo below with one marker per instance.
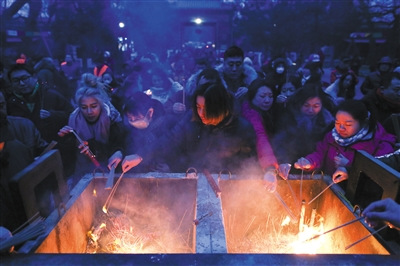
(302, 213)
(108, 201)
(312, 219)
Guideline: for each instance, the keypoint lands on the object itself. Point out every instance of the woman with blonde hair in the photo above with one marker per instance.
(99, 126)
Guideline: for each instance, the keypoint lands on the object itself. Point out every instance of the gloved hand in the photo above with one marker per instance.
(115, 159)
(302, 163)
(284, 170)
(130, 161)
(340, 160)
(340, 175)
(270, 182)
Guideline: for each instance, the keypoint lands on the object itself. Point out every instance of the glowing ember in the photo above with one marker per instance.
(104, 209)
(286, 221)
(120, 234)
(301, 246)
(284, 238)
(94, 193)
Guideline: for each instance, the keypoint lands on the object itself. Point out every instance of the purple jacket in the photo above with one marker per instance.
(323, 157)
(266, 156)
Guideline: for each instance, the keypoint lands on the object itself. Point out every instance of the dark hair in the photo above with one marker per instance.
(234, 51)
(17, 67)
(218, 102)
(359, 111)
(159, 71)
(258, 83)
(308, 91)
(210, 74)
(349, 93)
(140, 103)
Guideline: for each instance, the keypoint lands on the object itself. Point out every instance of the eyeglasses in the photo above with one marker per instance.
(18, 80)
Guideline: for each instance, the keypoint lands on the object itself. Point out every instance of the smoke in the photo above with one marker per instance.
(161, 212)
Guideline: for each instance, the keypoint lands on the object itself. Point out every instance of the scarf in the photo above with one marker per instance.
(363, 134)
(99, 130)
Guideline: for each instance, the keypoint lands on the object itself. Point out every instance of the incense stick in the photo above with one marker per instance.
(335, 228)
(365, 237)
(321, 192)
(33, 230)
(24, 224)
(301, 184)
(293, 194)
(108, 201)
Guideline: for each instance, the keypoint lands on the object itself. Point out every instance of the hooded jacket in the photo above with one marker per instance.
(322, 158)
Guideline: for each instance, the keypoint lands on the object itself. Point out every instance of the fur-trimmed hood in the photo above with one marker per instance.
(249, 72)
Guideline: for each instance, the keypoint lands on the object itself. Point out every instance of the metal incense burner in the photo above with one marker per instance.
(169, 213)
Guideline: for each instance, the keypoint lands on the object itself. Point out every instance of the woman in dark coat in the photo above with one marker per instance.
(307, 119)
(210, 137)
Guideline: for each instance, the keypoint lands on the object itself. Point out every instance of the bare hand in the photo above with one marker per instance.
(44, 114)
(130, 161)
(386, 210)
(340, 160)
(340, 175)
(302, 163)
(241, 92)
(64, 131)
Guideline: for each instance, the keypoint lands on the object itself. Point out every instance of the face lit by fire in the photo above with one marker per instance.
(90, 108)
(346, 125)
(201, 111)
(264, 98)
(312, 106)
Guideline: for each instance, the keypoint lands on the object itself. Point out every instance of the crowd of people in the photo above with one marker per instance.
(218, 114)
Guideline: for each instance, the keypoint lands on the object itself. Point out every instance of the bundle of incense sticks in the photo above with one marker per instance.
(34, 229)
